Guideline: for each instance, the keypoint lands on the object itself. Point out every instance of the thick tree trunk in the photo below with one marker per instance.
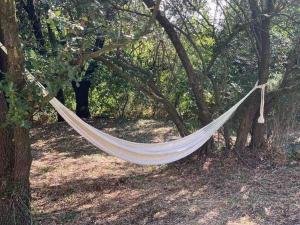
(291, 68)
(261, 32)
(22, 163)
(258, 139)
(246, 122)
(15, 156)
(6, 167)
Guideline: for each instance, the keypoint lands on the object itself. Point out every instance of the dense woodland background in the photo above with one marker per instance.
(184, 61)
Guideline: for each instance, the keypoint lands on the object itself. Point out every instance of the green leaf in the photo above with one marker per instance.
(57, 12)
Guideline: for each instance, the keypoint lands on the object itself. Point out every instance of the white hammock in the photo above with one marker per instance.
(142, 153)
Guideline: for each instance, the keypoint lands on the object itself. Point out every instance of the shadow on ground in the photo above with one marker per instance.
(59, 137)
(71, 184)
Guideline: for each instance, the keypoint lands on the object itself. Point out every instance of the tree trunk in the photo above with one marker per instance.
(261, 32)
(258, 139)
(15, 155)
(194, 82)
(36, 25)
(227, 138)
(82, 98)
(61, 98)
(6, 167)
(246, 122)
(82, 90)
(22, 163)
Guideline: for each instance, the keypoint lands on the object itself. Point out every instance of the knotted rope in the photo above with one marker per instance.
(32, 79)
(261, 118)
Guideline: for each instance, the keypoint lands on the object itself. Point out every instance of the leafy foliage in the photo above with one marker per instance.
(218, 42)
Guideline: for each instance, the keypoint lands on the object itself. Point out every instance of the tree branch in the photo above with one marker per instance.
(144, 31)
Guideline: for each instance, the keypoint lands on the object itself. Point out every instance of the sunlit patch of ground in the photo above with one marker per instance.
(75, 183)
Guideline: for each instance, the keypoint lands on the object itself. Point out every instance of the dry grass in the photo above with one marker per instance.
(74, 183)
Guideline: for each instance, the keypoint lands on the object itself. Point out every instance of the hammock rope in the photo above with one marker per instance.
(3, 48)
(261, 118)
(146, 153)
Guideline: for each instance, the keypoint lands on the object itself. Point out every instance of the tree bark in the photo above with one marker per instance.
(60, 96)
(248, 112)
(264, 54)
(261, 32)
(82, 98)
(15, 155)
(82, 90)
(6, 167)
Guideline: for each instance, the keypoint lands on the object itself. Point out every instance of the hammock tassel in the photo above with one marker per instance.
(261, 118)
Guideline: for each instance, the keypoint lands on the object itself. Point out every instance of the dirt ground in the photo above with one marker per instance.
(75, 183)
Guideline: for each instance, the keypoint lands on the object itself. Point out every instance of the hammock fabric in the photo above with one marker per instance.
(143, 153)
